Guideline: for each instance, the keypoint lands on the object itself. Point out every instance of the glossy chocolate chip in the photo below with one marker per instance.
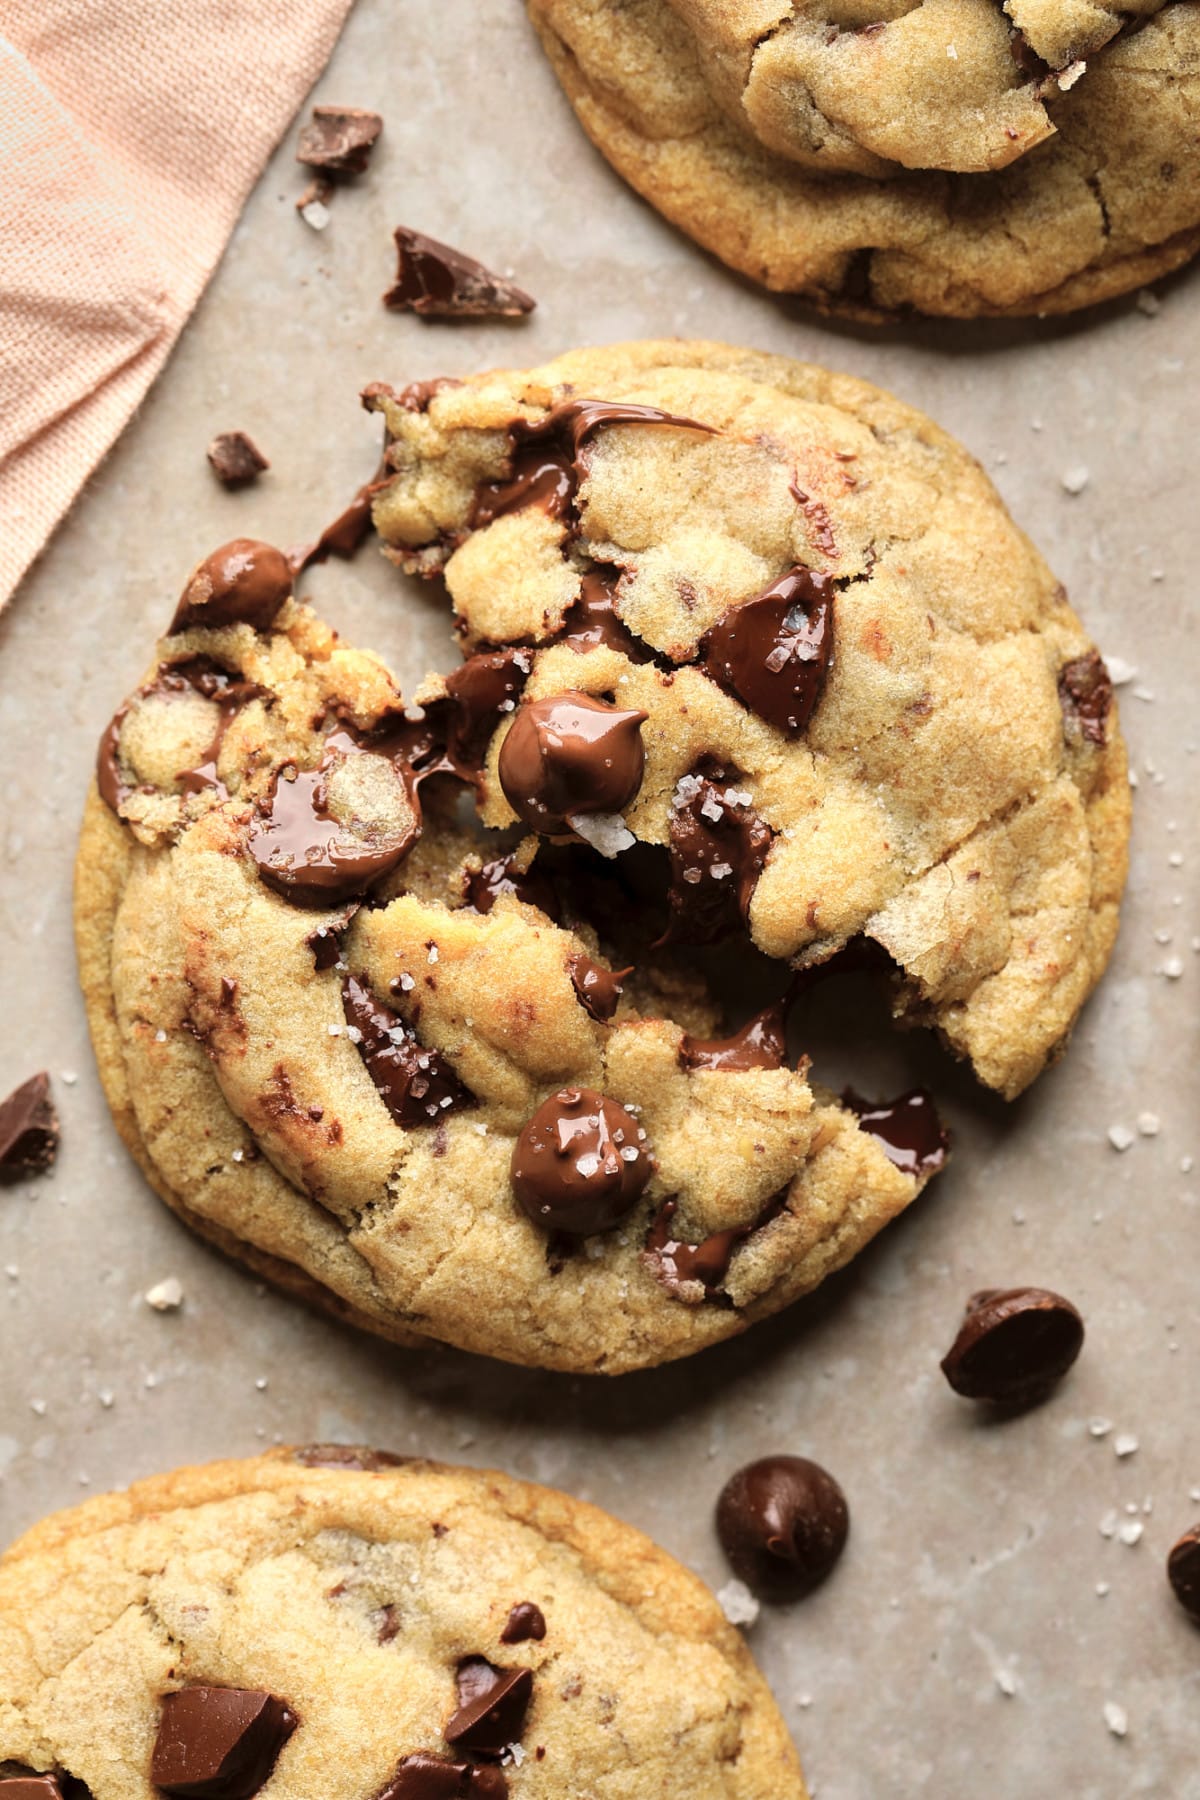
(908, 1129)
(429, 1777)
(760, 1044)
(1013, 1346)
(580, 1163)
(718, 847)
(526, 1623)
(1085, 693)
(773, 651)
(245, 582)
(598, 989)
(29, 1130)
(570, 754)
(418, 1086)
(347, 1456)
(782, 1523)
(492, 1704)
(219, 1743)
(1183, 1572)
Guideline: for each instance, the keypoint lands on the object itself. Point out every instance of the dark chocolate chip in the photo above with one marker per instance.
(571, 754)
(782, 1523)
(1085, 693)
(30, 1787)
(235, 459)
(492, 1704)
(580, 1163)
(718, 848)
(339, 139)
(526, 1622)
(347, 1456)
(760, 1044)
(598, 988)
(29, 1130)
(219, 1743)
(773, 651)
(245, 582)
(1013, 1346)
(1183, 1572)
(429, 1777)
(418, 1086)
(908, 1129)
(435, 281)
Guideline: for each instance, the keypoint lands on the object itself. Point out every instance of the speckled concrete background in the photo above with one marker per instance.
(982, 1557)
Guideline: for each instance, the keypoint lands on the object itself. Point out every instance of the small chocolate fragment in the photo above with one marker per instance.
(593, 621)
(417, 1086)
(435, 281)
(782, 1523)
(526, 1622)
(1183, 1572)
(1013, 1346)
(492, 1704)
(760, 1044)
(347, 1456)
(339, 139)
(773, 651)
(235, 459)
(598, 988)
(485, 689)
(1085, 694)
(219, 1743)
(718, 848)
(30, 1787)
(580, 1163)
(29, 1130)
(428, 1777)
(485, 886)
(571, 754)
(677, 1264)
(245, 582)
(909, 1130)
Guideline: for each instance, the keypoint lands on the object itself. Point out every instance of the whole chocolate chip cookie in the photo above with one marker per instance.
(452, 1083)
(958, 157)
(352, 1625)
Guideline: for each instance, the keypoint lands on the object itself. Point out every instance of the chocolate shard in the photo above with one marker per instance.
(235, 459)
(347, 1456)
(219, 1743)
(1085, 694)
(29, 1130)
(783, 1523)
(526, 1622)
(492, 1704)
(339, 140)
(759, 1044)
(1013, 1346)
(418, 1086)
(772, 652)
(429, 1777)
(434, 280)
(718, 848)
(28, 1786)
(909, 1130)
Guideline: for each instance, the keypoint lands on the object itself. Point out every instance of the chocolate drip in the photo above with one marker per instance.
(773, 651)
(417, 1086)
(346, 534)
(760, 1044)
(486, 688)
(718, 849)
(909, 1130)
(594, 623)
(598, 988)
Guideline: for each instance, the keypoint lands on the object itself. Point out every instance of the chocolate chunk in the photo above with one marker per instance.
(417, 1086)
(326, 946)
(339, 140)
(428, 1777)
(330, 833)
(30, 1787)
(571, 754)
(347, 1456)
(598, 988)
(245, 582)
(485, 689)
(760, 1044)
(484, 887)
(909, 1130)
(694, 1272)
(492, 1704)
(1183, 1572)
(235, 459)
(28, 1130)
(1085, 694)
(773, 651)
(580, 1163)
(718, 848)
(1013, 1346)
(526, 1622)
(219, 1743)
(593, 621)
(782, 1523)
(435, 281)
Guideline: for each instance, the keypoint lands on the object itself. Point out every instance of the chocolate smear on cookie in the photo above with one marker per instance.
(245, 582)
(694, 1272)
(356, 1457)
(434, 280)
(235, 459)
(772, 652)
(592, 622)
(339, 140)
(908, 1129)
(718, 847)
(783, 1524)
(218, 1743)
(580, 1163)
(429, 1777)
(492, 1704)
(228, 691)
(759, 1044)
(1013, 1346)
(29, 1130)
(418, 1086)
(597, 988)
(1085, 694)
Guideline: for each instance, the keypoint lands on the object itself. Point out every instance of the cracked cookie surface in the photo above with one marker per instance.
(956, 157)
(372, 1597)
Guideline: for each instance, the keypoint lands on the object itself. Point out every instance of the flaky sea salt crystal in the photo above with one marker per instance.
(1075, 479)
(1116, 1718)
(1131, 1531)
(1119, 671)
(1120, 1137)
(315, 214)
(605, 832)
(166, 1295)
(738, 1603)
(1125, 1444)
(1100, 1427)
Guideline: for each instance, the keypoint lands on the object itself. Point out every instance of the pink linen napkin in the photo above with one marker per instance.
(131, 132)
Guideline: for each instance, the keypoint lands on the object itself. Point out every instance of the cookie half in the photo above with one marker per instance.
(345, 1623)
(438, 1079)
(949, 156)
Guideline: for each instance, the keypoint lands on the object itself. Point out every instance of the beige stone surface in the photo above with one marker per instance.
(976, 1549)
